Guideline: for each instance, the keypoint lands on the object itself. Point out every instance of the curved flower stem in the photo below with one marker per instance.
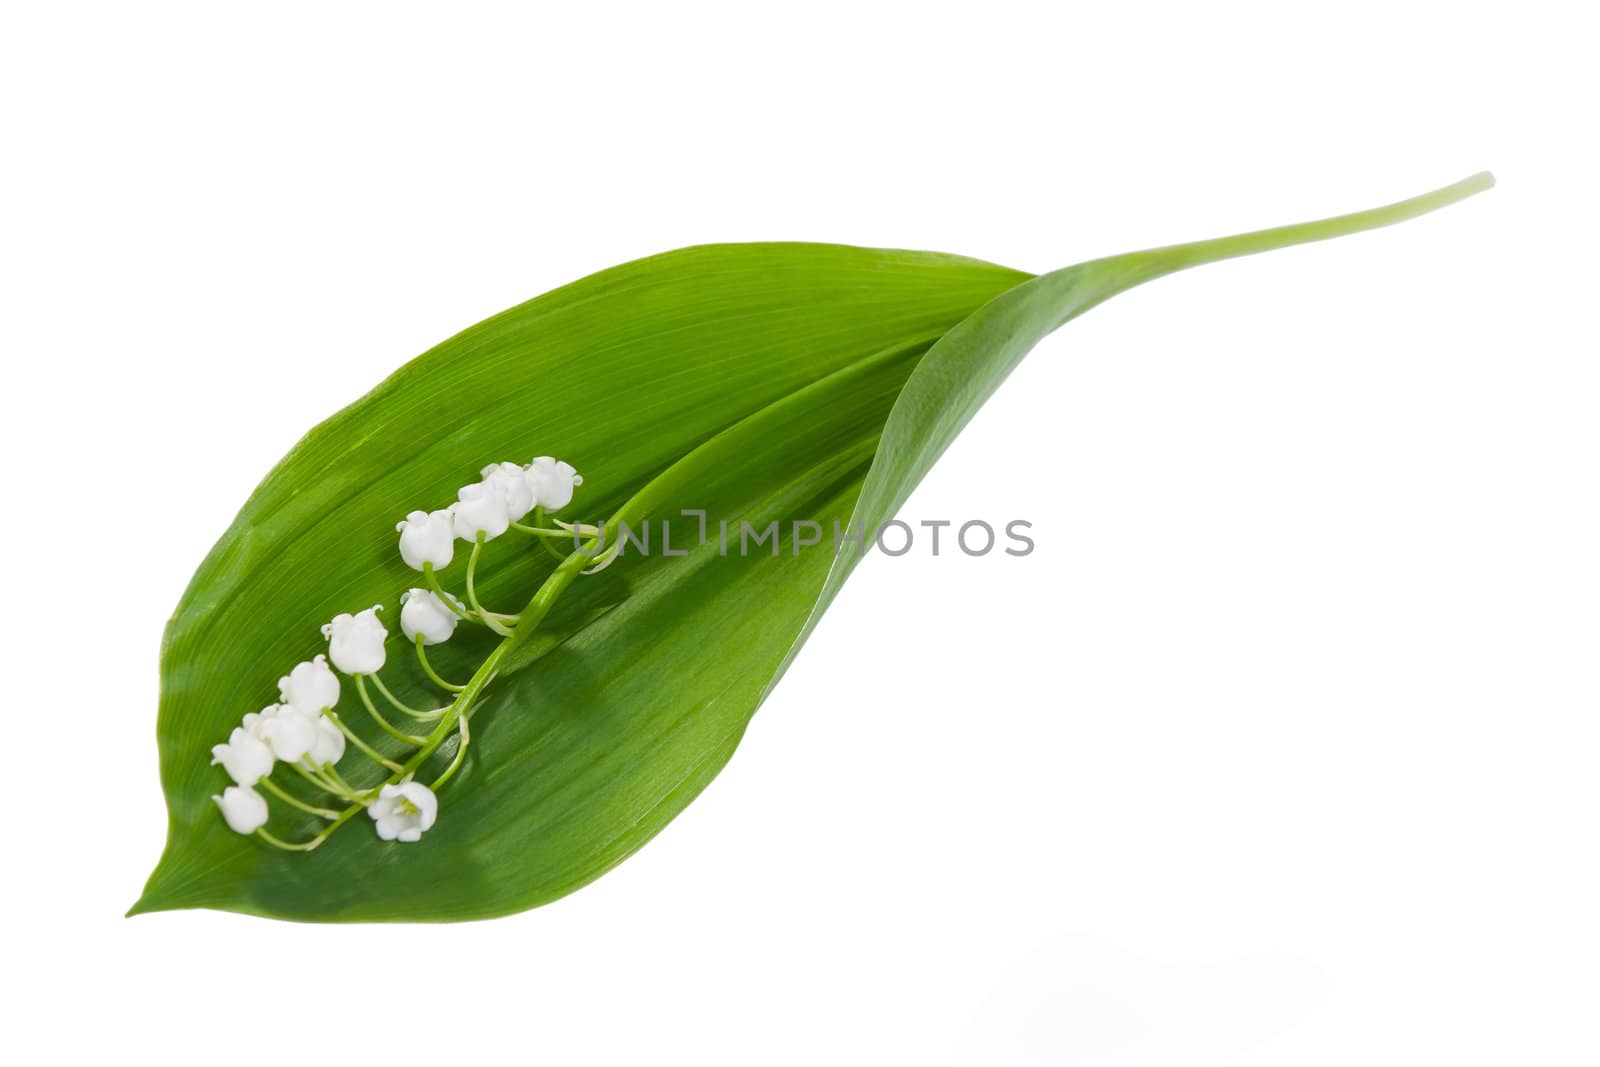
(538, 521)
(461, 752)
(306, 846)
(355, 740)
(539, 531)
(323, 782)
(372, 709)
(291, 846)
(349, 791)
(488, 618)
(427, 718)
(331, 775)
(295, 802)
(602, 560)
(396, 701)
(427, 668)
(438, 591)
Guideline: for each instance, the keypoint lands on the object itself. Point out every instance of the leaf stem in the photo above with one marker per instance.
(1155, 262)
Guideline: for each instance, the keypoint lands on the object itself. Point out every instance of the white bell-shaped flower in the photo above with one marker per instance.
(424, 615)
(428, 537)
(480, 509)
(552, 482)
(255, 723)
(245, 757)
(311, 686)
(511, 482)
(244, 809)
(285, 729)
(355, 642)
(404, 811)
(328, 745)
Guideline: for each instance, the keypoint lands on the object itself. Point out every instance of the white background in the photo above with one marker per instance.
(1283, 746)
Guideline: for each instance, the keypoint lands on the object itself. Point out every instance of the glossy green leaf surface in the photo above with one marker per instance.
(806, 382)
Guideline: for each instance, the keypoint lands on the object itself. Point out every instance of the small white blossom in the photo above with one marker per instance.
(245, 757)
(427, 537)
(423, 614)
(355, 642)
(404, 811)
(311, 686)
(256, 721)
(245, 809)
(552, 482)
(329, 744)
(285, 729)
(480, 509)
(511, 482)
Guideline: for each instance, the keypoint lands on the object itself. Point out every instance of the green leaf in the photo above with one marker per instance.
(755, 382)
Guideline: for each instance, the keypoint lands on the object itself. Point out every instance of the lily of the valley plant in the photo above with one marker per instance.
(509, 714)
(304, 732)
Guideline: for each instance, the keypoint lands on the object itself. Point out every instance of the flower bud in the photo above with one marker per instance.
(244, 809)
(355, 642)
(510, 481)
(245, 757)
(427, 537)
(479, 509)
(423, 614)
(552, 482)
(311, 686)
